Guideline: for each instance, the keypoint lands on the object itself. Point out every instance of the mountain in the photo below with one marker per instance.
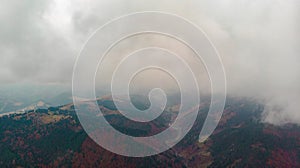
(16, 97)
(53, 137)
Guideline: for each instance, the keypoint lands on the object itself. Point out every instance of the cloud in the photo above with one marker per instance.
(258, 42)
(32, 50)
(264, 59)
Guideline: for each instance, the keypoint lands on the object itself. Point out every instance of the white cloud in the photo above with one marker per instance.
(257, 39)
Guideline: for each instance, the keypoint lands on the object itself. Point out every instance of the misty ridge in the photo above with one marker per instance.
(258, 43)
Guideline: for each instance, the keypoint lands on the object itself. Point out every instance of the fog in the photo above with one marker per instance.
(258, 42)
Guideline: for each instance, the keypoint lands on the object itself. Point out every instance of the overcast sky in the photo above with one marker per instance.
(258, 41)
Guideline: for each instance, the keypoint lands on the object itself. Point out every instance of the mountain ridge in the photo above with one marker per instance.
(55, 138)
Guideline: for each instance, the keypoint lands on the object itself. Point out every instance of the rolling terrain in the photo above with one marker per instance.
(53, 137)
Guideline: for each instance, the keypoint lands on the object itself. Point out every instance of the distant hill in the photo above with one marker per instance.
(16, 97)
(53, 137)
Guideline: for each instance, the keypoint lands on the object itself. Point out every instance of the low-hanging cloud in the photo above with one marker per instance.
(257, 40)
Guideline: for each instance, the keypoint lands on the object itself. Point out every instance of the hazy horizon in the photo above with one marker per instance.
(258, 42)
